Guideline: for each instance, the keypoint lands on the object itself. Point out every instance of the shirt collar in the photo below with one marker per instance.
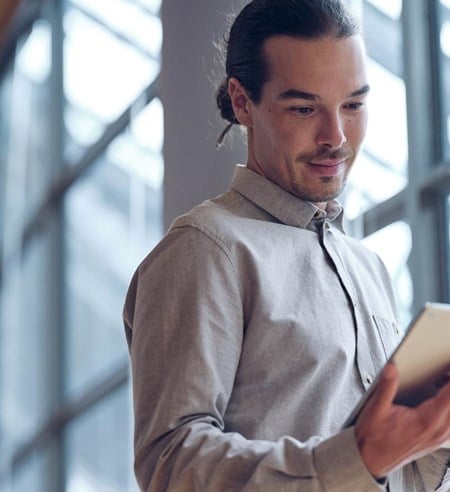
(281, 204)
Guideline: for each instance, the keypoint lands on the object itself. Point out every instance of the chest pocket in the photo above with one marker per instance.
(389, 333)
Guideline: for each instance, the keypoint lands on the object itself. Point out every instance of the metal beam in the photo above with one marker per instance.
(383, 214)
(437, 181)
(53, 319)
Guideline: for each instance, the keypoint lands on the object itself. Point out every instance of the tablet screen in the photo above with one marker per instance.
(422, 358)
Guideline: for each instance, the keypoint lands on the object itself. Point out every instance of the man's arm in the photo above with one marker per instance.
(186, 315)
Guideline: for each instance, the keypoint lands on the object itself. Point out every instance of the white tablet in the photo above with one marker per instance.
(422, 358)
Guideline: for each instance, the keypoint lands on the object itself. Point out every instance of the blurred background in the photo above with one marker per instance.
(107, 133)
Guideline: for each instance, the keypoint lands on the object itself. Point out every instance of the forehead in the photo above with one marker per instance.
(326, 65)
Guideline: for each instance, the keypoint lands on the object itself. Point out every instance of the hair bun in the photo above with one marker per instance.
(224, 103)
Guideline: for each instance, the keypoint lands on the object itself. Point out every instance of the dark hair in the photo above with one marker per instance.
(262, 19)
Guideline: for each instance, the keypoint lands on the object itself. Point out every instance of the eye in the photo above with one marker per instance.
(302, 110)
(354, 105)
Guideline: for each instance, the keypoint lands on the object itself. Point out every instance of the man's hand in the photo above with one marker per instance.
(390, 436)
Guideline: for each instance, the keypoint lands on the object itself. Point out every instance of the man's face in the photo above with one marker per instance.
(307, 129)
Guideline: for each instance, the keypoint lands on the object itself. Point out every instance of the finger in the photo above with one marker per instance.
(436, 410)
(385, 391)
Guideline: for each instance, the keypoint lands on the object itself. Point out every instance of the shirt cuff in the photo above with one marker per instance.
(441, 458)
(340, 466)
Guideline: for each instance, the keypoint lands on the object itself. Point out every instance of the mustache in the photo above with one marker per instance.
(324, 154)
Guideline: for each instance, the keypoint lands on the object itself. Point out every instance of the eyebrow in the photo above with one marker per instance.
(296, 94)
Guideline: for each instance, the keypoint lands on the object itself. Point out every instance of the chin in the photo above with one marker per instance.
(318, 195)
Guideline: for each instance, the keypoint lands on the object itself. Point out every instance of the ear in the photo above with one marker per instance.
(241, 102)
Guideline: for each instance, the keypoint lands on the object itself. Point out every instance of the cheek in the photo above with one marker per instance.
(274, 138)
(267, 145)
(356, 130)
(294, 135)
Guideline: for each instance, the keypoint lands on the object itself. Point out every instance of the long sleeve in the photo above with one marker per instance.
(434, 471)
(185, 317)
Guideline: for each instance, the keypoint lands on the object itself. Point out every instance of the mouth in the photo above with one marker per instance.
(326, 168)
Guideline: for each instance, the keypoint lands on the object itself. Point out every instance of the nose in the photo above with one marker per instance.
(331, 132)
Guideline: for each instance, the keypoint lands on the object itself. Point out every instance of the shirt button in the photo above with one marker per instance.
(369, 379)
(327, 226)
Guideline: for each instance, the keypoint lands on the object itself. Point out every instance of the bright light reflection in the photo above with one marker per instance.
(153, 5)
(446, 3)
(392, 8)
(445, 39)
(82, 128)
(102, 75)
(387, 137)
(148, 167)
(82, 480)
(148, 126)
(34, 58)
(393, 245)
(382, 241)
(448, 127)
(369, 184)
(127, 18)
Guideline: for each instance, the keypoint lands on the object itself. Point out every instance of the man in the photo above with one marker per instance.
(256, 325)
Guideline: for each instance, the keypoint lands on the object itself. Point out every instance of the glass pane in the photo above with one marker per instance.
(445, 59)
(114, 218)
(128, 19)
(386, 163)
(26, 132)
(98, 447)
(29, 352)
(5, 97)
(25, 173)
(393, 245)
(111, 55)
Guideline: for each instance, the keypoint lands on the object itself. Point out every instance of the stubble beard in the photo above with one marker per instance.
(320, 194)
(327, 191)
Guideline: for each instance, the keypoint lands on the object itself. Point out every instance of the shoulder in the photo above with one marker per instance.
(202, 234)
(223, 219)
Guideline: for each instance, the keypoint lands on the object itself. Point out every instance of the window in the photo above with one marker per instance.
(81, 198)
(80, 204)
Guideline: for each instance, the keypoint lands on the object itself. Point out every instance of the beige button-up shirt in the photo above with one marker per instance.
(254, 328)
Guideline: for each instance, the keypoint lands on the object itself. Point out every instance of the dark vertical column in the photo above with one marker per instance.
(53, 254)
